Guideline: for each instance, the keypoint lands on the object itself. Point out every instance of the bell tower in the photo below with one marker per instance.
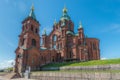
(81, 34)
(30, 32)
(44, 39)
(29, 44)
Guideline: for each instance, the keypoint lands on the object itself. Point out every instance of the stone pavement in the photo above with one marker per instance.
(22, 79)
(3, 78)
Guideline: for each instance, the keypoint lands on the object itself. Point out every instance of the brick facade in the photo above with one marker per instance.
(62, 44)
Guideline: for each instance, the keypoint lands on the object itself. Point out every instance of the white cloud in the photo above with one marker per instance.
(103, 58)
(111, 28)
(22, 6)
(10, 44)
(6, 64)
(19, 4)
(7, 41)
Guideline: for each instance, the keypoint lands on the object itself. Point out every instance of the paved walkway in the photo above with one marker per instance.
(22, 79)
(2, 78)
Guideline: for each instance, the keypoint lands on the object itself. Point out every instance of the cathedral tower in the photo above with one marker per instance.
(67, 29)
(81, 34)
(29, 39)
(30, 32)
(44, 39)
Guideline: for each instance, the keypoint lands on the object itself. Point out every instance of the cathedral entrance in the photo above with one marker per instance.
(58, 57)
(69, 56)
(53, 59)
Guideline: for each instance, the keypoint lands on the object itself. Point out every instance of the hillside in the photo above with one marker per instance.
(88, 63)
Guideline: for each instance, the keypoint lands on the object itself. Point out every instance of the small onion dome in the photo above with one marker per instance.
(65, 10)
(55, 23)
(76, 34)
(44, 33)
(32, 15)
(65, 16)
(86, 36)
(70, 32)
(80, 25)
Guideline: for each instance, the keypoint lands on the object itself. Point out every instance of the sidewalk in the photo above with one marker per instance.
(2, 78)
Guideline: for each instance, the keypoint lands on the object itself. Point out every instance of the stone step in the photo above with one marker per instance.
(12, 75)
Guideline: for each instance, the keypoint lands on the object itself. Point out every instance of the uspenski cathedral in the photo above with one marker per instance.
(61, 45)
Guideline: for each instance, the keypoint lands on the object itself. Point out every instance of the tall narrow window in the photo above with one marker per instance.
(54, 41)
(58, 46)
(62, 32)
(32, 61)
(54, 38)
(23, 42)
(31, 27)
(94, 46)
(23, 28)
(33, 42)
(54, 46)
(71, 54)
(36, 30)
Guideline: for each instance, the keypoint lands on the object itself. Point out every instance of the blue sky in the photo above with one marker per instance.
(100, 19)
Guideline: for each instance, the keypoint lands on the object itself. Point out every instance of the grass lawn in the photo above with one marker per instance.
(77, 71)
(88, 63)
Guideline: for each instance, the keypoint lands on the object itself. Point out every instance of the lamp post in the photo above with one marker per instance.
(13, 66)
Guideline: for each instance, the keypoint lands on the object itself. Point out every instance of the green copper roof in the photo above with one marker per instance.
(69, 32)
(44, 33)
(43, 48)
(76, 34)
(55, 23)
(32, 14)
(65, 15)
(22, 47)
(86, 36)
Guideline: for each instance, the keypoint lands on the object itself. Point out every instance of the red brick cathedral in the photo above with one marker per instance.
(62, 44)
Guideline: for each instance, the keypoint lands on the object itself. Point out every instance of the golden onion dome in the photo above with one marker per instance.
(65, 10)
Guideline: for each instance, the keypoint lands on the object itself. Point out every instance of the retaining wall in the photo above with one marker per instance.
(79, 75)
(98, 67)
(74, 76)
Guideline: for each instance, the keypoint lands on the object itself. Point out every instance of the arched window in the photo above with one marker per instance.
(36, 30)
(31, 27)
(94, 46)
(54, 38)
(32, 61)
(23, 28)
(58, 46)
(54, 46)
(71, 54)
(33, 42)
(23, 42)
(54, 41)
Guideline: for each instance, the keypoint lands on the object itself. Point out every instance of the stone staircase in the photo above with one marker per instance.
(3, 74)
(12, 75)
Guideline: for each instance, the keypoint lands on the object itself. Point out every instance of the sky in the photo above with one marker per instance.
(100, 19)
